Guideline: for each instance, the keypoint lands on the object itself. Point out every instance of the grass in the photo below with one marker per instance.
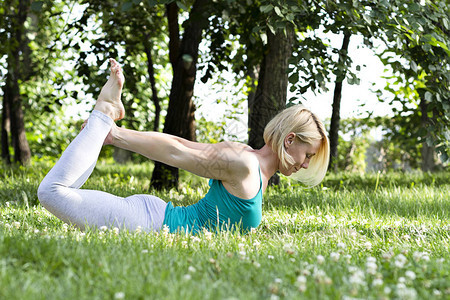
(368, 237)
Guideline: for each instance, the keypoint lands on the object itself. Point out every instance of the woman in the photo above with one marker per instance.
(296, 144)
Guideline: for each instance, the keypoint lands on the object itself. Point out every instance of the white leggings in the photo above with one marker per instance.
(60, 191)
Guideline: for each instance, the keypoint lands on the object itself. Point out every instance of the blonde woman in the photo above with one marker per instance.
(295, 145)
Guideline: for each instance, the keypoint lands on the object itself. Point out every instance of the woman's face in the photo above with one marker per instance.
(301, 153)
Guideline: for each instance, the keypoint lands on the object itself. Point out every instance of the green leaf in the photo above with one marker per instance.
(266, 8)
(37, 5)
(126, 6)
(367, 19)
(152, 3)
(293, 79)
(278, 11)
(413, 66)
(182, 6)
(271, 28)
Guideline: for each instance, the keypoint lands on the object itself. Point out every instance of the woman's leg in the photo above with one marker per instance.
(59, 191)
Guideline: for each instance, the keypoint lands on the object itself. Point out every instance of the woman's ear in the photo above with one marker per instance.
(289, 139)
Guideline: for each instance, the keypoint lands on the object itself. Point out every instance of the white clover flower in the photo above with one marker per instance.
(195, 239)
(102, 228)
(371, 259)
(302, 287)
(119, 295)
(256, 243)
(144, 251)
(341, 245)
(16, 224)
(274, 297)
(289, 249)
(184, 244)
(7, 226)
(406, 293)
(410, 274)
(387, 290)
(400, 261)
(334, 256)
(278, 280)
(357, 278)
(406, 237)
(191, 269)
(292, 259)
(368, 245)
(116, 230)
(36, 231)
(187, 277)
(377, 282)
(241, 246)
(165, 229)
(437, 292)
(421, 256)
(208, 235)
(320, 259)
(270, 257)
(242, 253)
(401, 286)
(401, 279)
(371, 268)
(256, 264)
(387, 255)
(301, 279)
(306, 272)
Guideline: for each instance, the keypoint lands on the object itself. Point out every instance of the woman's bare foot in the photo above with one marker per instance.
(108, 101)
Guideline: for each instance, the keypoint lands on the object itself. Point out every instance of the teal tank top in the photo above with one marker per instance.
(218, 210)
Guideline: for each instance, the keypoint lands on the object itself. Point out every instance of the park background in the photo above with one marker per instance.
(376, 72)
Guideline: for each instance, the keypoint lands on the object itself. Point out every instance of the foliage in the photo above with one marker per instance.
(384, 236)
(124, 31)
(419, 33)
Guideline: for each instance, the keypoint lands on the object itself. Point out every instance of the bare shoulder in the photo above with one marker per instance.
(244, 176)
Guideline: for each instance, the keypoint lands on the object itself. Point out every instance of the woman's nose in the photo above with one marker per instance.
(305, 163)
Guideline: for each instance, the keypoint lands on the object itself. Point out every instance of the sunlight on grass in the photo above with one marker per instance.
(344, 239)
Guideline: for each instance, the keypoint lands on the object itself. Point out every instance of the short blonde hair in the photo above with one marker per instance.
(308, 128)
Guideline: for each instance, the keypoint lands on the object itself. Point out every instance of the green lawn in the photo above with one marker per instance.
(354, 237)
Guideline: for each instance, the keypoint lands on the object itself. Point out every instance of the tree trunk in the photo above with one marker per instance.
(22, 153)
(151, 75)
(6, 155)
(271, 92)
(335, 116)
(174, 32)
(428, 163)
(180, 120)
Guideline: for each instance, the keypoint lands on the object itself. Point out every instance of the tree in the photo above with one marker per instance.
(180, 114)
(28, 43)
(15, 15)
(420, 34)
(335, 116)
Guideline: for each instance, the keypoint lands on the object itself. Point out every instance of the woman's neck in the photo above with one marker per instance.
(268, 161)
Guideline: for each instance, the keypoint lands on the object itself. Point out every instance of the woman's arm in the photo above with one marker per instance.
(225, 161)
